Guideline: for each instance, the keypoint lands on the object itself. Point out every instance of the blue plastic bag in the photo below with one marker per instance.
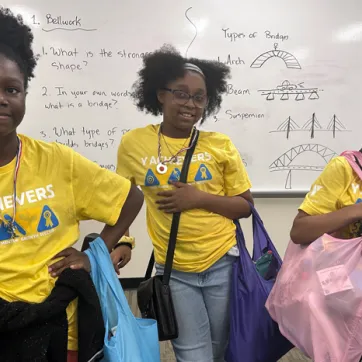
(127, 339)
(254, 336)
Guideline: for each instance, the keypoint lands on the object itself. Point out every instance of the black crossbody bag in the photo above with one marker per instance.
(154, 294)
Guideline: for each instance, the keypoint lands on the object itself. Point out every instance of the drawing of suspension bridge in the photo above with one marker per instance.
(286, 162)
(312, 126)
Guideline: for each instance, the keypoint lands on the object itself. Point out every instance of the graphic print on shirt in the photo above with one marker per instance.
(48, 220)
(203, 174)
(4, 232)
(315, 189)
(175, 176)
(355, 188)
(151, 179)
(33, 219)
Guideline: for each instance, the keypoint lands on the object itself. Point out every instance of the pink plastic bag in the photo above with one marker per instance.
(317, 298)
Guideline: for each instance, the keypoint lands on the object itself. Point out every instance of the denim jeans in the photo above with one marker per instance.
(201, 303)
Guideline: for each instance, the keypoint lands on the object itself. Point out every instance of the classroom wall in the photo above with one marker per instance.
(277, 215)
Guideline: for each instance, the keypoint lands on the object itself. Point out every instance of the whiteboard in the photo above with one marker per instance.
(293, 103)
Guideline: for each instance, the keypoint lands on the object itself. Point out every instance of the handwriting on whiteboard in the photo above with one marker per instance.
(56, 22)
(85, 137)
(234, 36)
(59, 98)
(73, 59)
(241, 115)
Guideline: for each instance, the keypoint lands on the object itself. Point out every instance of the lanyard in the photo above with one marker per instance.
(11, 224)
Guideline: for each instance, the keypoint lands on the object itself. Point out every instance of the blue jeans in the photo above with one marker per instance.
(201, 303)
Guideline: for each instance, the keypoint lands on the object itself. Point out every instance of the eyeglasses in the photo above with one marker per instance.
(181, 98)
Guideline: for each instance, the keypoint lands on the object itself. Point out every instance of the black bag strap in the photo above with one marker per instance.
(175, 219)
(358, 163)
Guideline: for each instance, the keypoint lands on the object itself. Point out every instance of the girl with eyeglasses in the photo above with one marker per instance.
(185, 92)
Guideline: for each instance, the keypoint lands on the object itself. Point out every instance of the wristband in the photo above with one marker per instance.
(130, 240)
(121, 244)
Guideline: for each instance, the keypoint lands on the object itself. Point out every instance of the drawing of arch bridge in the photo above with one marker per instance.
(286, 162)
(289, 59)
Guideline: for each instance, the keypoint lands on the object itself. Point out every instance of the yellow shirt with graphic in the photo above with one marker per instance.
(216, 167)
(338, 186)
(56, 188)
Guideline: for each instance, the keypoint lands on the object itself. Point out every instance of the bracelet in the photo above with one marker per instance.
(123, 243)
(127, 240)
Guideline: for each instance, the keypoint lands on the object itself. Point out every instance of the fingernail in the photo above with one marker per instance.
(50, 269)
(54, 274)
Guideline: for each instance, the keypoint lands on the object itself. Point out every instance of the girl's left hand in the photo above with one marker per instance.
(183, 197)
(72, 258)
(121, 256)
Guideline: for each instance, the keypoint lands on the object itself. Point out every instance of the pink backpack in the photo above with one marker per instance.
(317, 297)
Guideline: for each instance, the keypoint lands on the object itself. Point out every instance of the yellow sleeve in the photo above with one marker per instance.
(236, 179)
(325, 192)
(99, 194)
(124, 161)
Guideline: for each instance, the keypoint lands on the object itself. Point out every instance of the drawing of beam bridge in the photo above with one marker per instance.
(284, 162)
(286, 89)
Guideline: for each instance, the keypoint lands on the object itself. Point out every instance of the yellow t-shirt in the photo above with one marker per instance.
(56, 188)
(338, 186)
(216, 167)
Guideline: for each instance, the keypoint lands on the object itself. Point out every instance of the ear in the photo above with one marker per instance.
(161, 96)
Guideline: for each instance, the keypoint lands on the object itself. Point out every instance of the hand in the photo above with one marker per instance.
(121, 256)
(71, 258)
(183, 197)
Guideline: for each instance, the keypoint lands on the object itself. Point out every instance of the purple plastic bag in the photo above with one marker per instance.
(254, 336)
